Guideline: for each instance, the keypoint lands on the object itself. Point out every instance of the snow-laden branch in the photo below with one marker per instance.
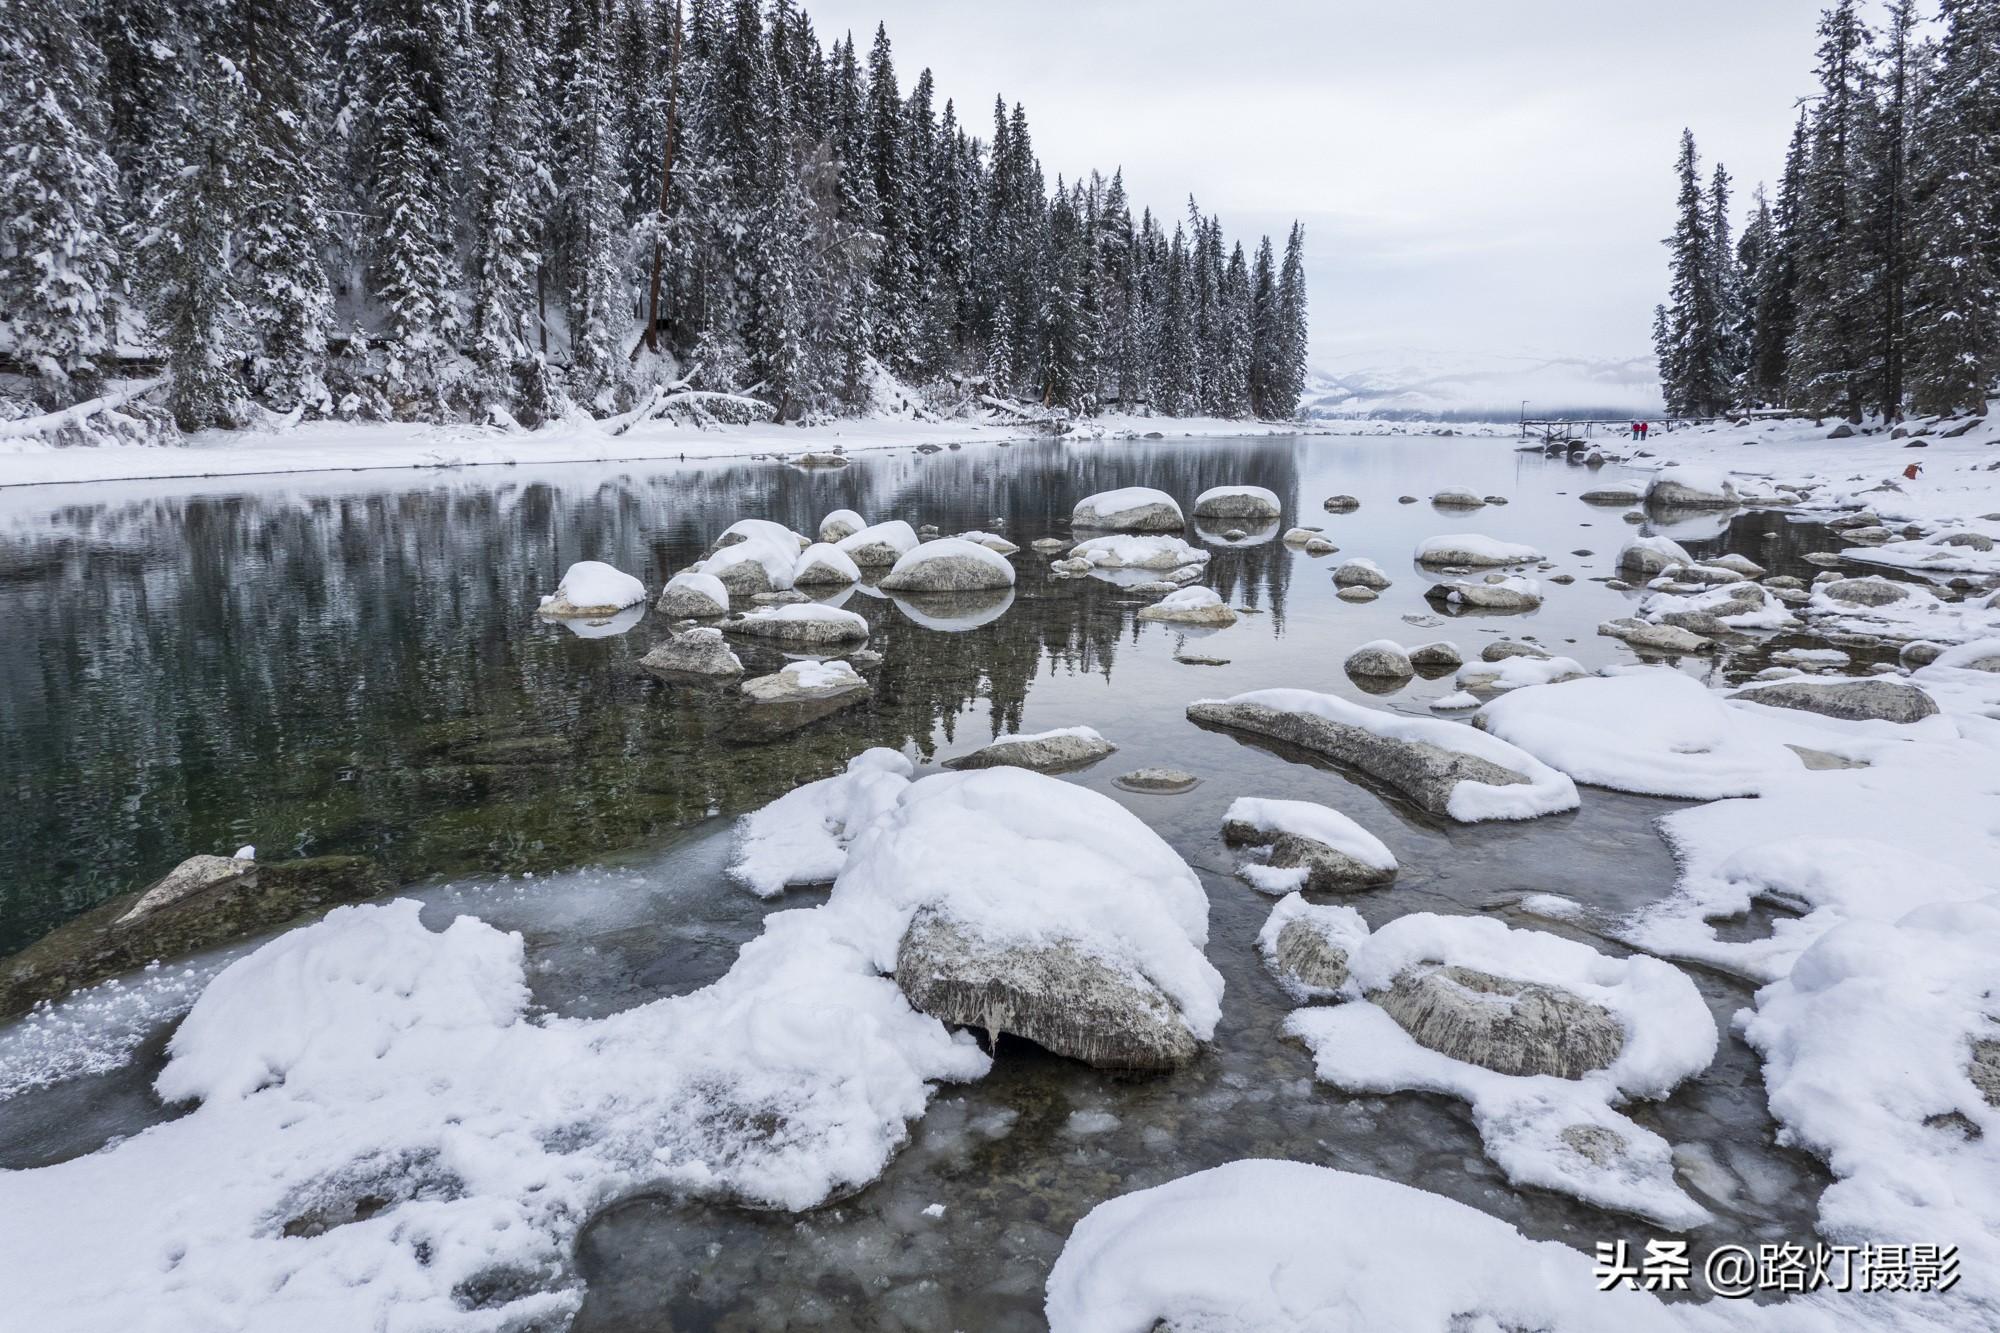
(700, 408)
(50, 422)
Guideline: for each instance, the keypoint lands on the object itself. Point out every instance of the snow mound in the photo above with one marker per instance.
(1308, 819)
(385, 1140)
(591, 587)
(802, 837)
(822, 564)
(880, 543)
(1472, 548)
(1262, 1246)
(1544, 1132)
(950, 564)
(1882, 1055)
(776, 558)
(1515, 673)
(1928, 556)
(1652, 731)
(839, 524)
(761, 529)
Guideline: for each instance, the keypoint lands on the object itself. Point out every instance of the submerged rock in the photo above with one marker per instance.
(1045, 752)
(1055, 993)
(192, 911)
(1497, 1023)
(1159, 781)
(1852, 700)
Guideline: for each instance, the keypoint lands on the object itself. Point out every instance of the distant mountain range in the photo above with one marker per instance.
(1400, 383)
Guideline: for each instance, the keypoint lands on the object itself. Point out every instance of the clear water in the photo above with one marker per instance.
(350, 664)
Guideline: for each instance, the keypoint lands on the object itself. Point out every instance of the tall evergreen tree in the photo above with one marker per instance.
(1827, 360)
(1693, 371)
(1288, 367)
(1775, 298)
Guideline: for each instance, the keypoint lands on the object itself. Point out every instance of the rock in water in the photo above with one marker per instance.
(1131, 509)
(1510, 594)
(1360, 573)
(195, 875)
(1341, 504)
(592, 588)
(1653, 638)
(1436, 658)
(1865, 591)
(880, 544)
(691, 654)
(1158, 781)
(689, 595)
(808, 683)
(1852, 700)
(840, 525)
(1382, 658)
(1309, 958)
(1045, 752)
(1684, 488)
(1236, 502)
(1191, 606)
(950, 564)
(1502, 649)
(1055, 994)
(1320, 847)
(1507, 1026)
(1474, 549)
(1457, 497)
(823, 565)
(806, 624)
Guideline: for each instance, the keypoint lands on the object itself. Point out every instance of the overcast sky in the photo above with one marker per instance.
(1476, 176)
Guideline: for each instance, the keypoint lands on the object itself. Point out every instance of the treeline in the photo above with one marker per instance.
(422, 209)
(1872, 285)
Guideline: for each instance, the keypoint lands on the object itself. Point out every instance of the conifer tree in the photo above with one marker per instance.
(1693, 373)
(1826, 359)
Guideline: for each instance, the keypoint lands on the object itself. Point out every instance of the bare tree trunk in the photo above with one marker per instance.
(666, 185)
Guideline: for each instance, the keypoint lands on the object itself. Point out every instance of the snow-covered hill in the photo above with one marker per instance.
(1462, 385)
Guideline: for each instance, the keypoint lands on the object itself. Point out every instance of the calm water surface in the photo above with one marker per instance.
(350, 664)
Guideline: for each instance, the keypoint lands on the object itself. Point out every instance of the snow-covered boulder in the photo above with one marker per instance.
(197, 874)
(1509, 594)
(1380, 657)
(1252, 502)
(840, 525)
(701, 652)
(1457, 497)
(802, 624)
(1652, 731)
(752, 565)
(1191, 606)
(992, 541)
(693, 595)
(1139, 553)
(1653, 638)
(1436, 658)
(1502, 1024)
(1298, 536)
(1851, 700)
(1502, 649)
(1865, 591)
(1644, 557)
(1244, 1248)
(808, 683)
(760, 529)
(949, 564)
(1444, 768)
(1311, 846)
(1129, 509)
(592, 588)
(1515, 673)
(1306, 946)
(879, 543)
(802, 837)
(824, 565)
(1360, 572)
(1055, 751)
(1692, 488)
(1045, 910)
(1474, 549)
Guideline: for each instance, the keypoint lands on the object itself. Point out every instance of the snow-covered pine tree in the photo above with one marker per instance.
(1726, 280)
(1693, 374)
(1775, 300)
(1954, 335)
(59, 200)
(282, 228)
(508, 216)
(889, 167)
(1177, 385)
(1756, 248)
(598, 304)
(1288, 366)
(401, 49)
(1886, 210)
(1264, 349)
(1232, 395)
(1826, 361)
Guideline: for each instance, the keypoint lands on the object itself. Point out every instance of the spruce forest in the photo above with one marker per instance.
(412, 209)
(1871, 285)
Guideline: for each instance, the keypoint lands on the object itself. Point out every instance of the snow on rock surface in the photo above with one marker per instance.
(382, 1129)
(1650, 730)
(1043, 751)
(1518, 1002)
(801, 838)
(1252, 502)
(761, 530)
(1139, 553)
(593, 588)
(1503, 594)
(824, 565)
(1261, 1246)
(1306, 946)
(1472, 548)
(949, 564)
(807, 683)
(700, 652)
(1311, 846)
(1130, 509)
(800, 623)
(879, 543)
(1380, 658)
(689, 594)
(1360, 572)
(1853, 700)
(1514, 673)
(992, 541)
(1190, 606)
(839, 525)
(753, 565)
(1692, 488)
(1445, 768)
(1024, 904)
(1647, 556)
